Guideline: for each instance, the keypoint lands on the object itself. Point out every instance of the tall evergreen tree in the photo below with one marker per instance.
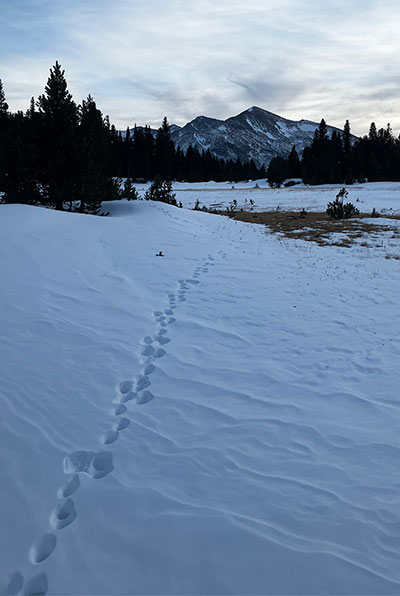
(164, 152)
(3, 103)
(346, 137)
(59, 151)
(4, 129)
(372, 135)
(347, 158)
(94, 181)
(294, 164)
(277, 171)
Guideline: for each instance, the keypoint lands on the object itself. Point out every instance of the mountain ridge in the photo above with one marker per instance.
(255, 134)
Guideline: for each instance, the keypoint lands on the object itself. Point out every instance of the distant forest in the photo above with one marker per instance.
(341, 159)
(67, 156)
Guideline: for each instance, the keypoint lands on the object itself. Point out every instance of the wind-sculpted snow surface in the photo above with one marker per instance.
(221, 420)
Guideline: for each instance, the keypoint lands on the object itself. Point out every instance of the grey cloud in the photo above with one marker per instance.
(381, 94)
(337, 59)
(260, 89)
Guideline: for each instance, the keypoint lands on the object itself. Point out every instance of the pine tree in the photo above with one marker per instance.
(346, 137)
(322, 132)
(59, 149)
(347, 158)
(277, 171)
(19, 185)
(4, 130)
(161, 191)
(294, 164)
(129, 192)
(164, 152)
(3, 103)
(94, 181)
(372, 135)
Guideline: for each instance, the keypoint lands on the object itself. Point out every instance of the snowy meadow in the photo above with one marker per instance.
(220, 420)
(384, 196)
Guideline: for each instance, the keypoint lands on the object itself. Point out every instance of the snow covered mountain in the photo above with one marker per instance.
(254, 134)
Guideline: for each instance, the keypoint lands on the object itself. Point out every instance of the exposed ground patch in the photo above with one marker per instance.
(322, 229)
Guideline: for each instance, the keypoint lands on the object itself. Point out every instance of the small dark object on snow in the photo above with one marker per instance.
(159, 254)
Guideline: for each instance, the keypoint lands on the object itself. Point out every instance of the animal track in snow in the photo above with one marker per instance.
(159, 353)
(149, 369)
(63, 515)
(69, 488)
(110, 437)
(97, 465)
(161, 339)
(14, 585)
(125, 386)
(122, 424)
(142, 382)
(144, 397)
(147, 351)
(101, 465)
(127, 397)
(42, 548)
(37, 586)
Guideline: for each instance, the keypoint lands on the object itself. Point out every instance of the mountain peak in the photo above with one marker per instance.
(253, 134)
(259, 111)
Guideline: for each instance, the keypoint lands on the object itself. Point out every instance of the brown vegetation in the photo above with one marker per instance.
(318, 227)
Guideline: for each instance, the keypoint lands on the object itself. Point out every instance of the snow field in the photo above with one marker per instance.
(198, 423)
(384, 196)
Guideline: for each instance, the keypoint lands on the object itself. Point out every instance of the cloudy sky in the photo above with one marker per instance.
(142, 60)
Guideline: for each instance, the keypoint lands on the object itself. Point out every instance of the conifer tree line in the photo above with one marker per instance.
(67, 156)
(339, 158)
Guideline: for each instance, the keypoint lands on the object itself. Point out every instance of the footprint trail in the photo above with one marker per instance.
(98, 465)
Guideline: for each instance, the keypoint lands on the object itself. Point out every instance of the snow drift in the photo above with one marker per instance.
(220, 420)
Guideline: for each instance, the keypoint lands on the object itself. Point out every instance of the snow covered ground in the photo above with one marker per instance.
(221, 420)
(384, 196)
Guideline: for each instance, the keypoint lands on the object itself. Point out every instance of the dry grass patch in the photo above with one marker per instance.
(318, 227)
